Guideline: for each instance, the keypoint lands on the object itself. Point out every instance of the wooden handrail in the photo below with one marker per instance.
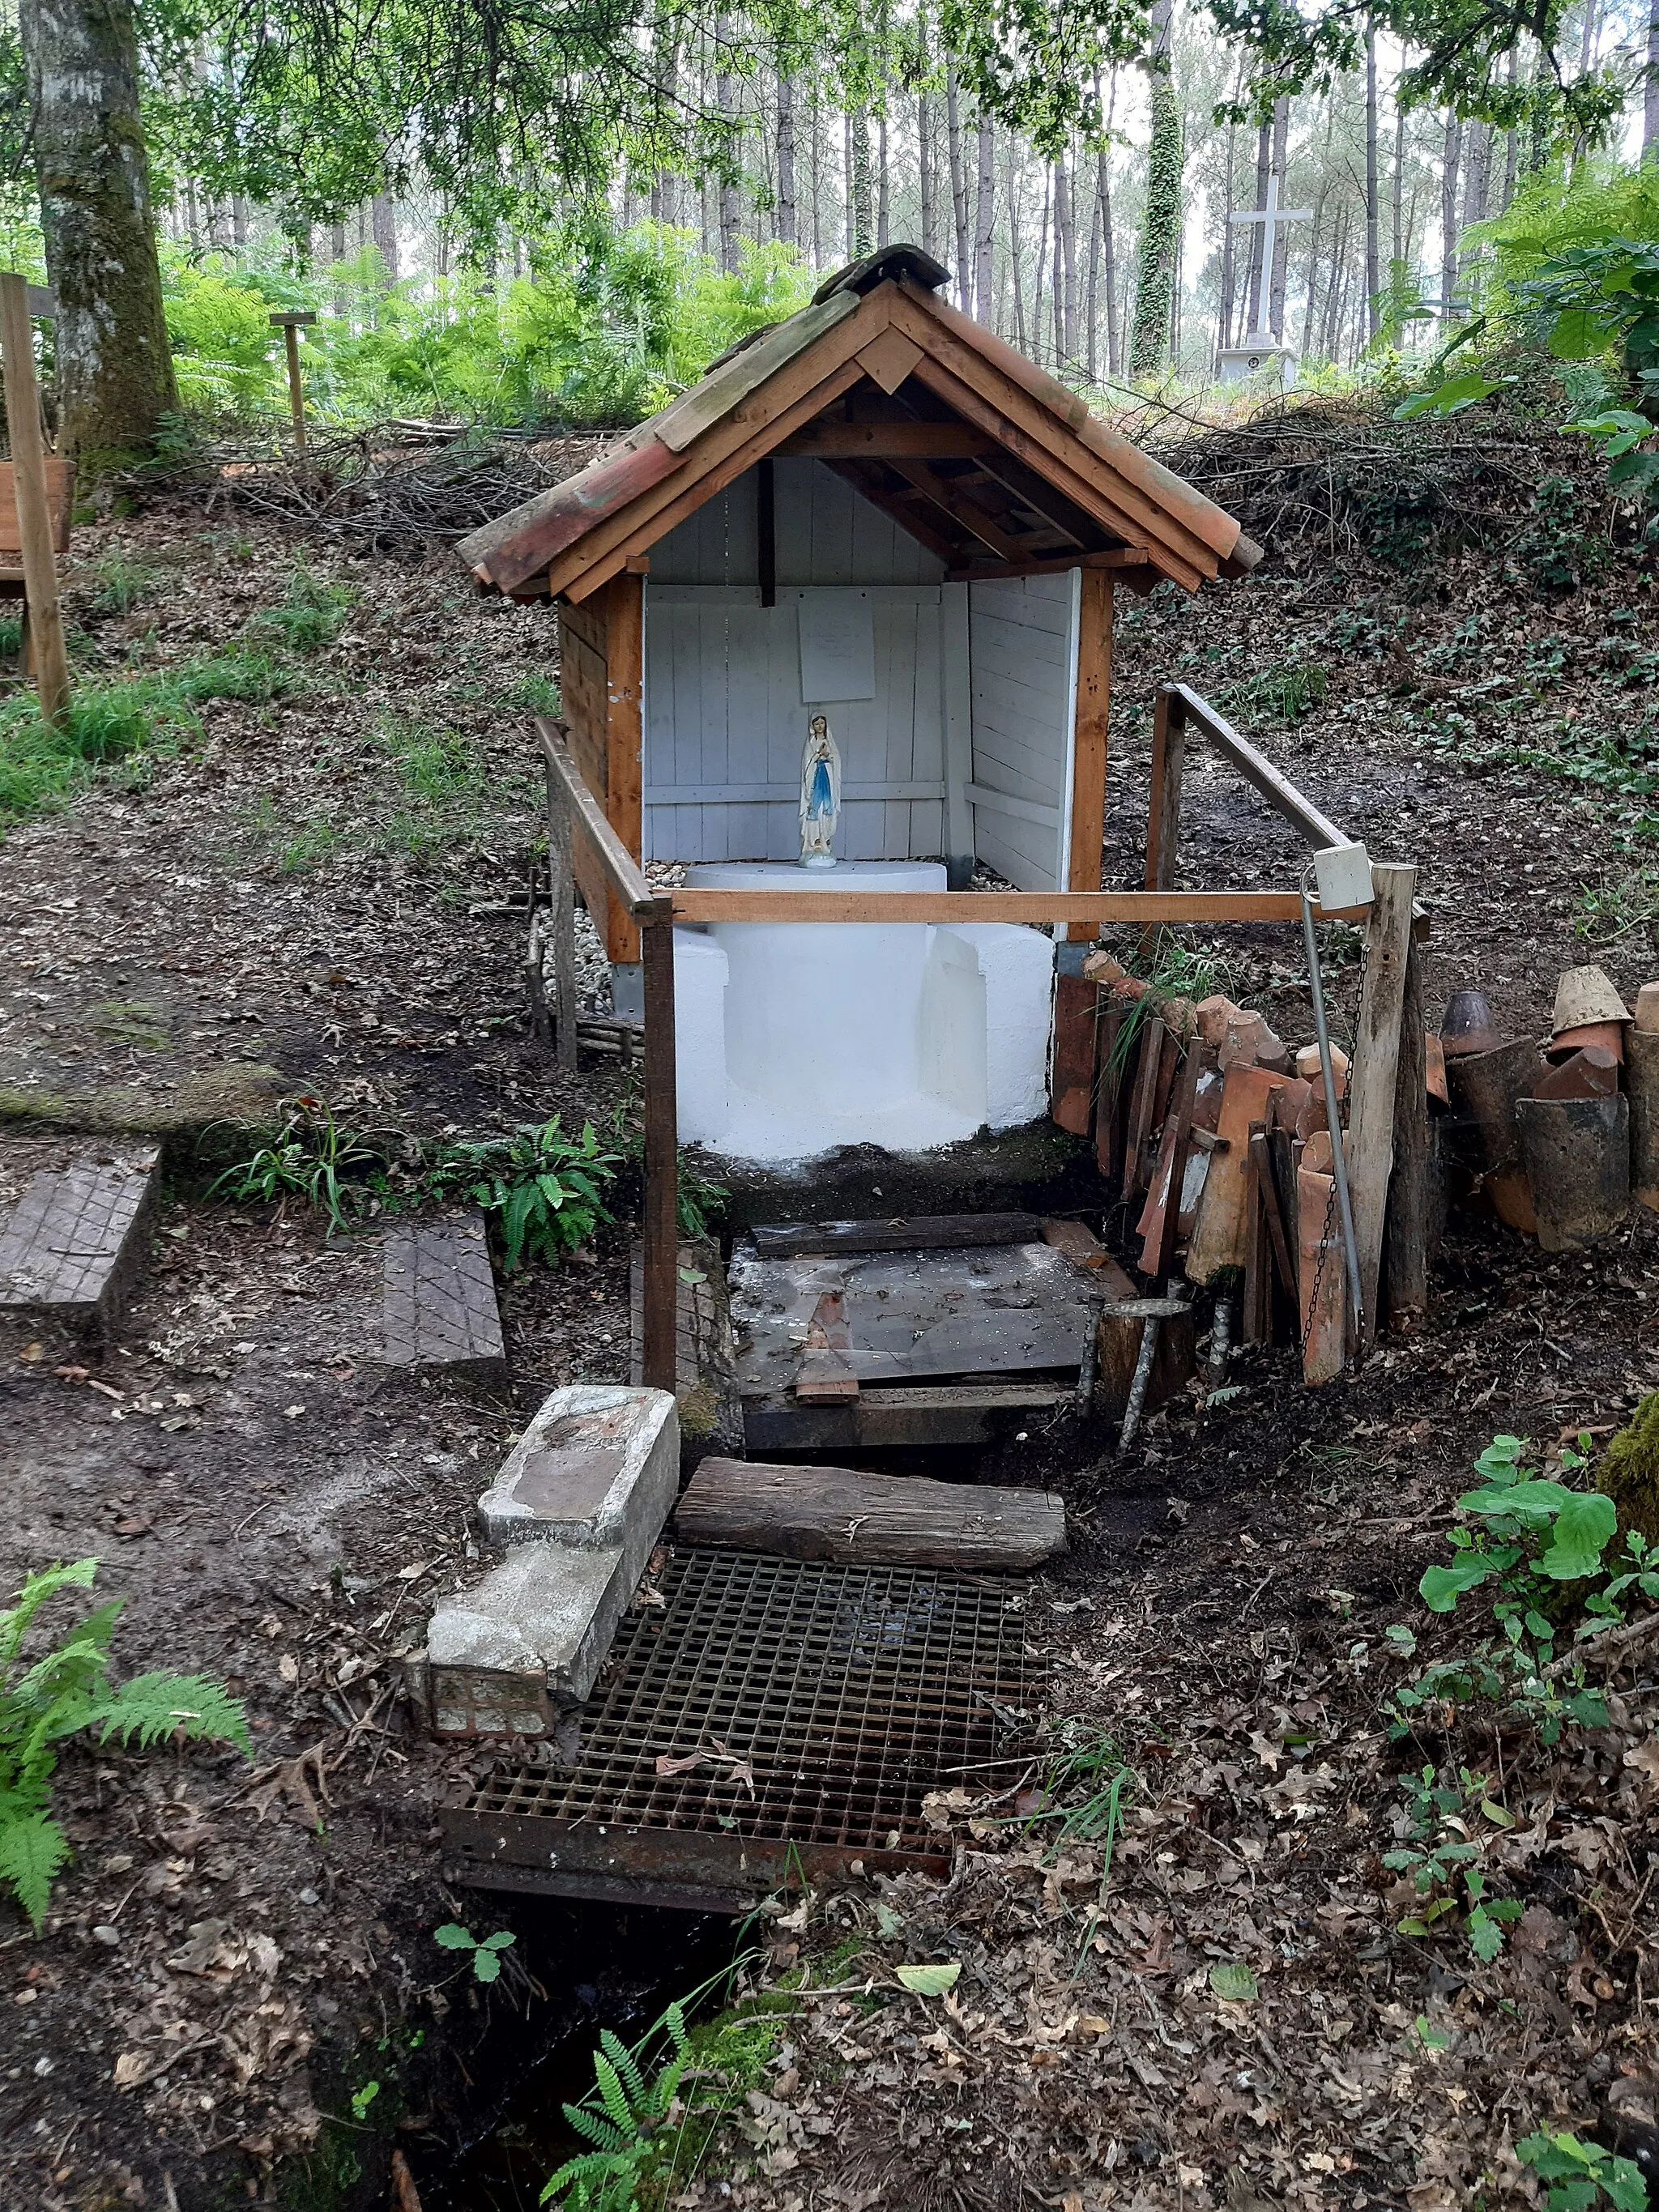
(621, 870)
(1280, 794)
(1170, 907)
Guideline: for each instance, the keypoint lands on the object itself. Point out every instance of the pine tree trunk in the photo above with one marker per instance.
(859, 154)
(726, 102)
(1108, 244)
(1229, 247)
(884, 202)
(115, 379)
(1091, 296)
(1511, 143)
(926, 187)
(1400, 178)
(984, 209)
(1281, 271)
(958, 192)
(1373, 209)
(1041, 262)
(1160, 229)
(1451, 159)
(1012, 197)
(192, 218)
(384, 216)
(337, 253)
(788, 226)
(1649, 88)
(238, 223)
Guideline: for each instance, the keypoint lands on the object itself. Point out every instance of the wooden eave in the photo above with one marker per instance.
(992, 465)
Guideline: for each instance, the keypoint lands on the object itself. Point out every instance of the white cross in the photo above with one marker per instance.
(1270, 218)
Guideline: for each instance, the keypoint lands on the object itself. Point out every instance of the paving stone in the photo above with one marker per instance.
(441, 1312)
(74, 1239)
(580, 1503)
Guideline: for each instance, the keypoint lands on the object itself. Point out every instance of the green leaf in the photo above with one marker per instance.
(151, 1706)
(1441, 1586)
(486, 1963)
(363, 2098)
(31, 1849)
(1579, 335)
(1485, 1937)
(1234, 1983)
(498, 1940)
(930, 1981)
(1623, 2180)
(1582, 1532)
(452, 1936)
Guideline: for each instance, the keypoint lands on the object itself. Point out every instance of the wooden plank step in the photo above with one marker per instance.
(74, 1240)
(880, 1418)
(869, 1520)
(926, 1232)
(439, 1302)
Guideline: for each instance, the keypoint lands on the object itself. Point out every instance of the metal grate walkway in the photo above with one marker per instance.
(774, 1716)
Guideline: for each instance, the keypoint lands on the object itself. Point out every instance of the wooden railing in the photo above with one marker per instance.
(572, 806)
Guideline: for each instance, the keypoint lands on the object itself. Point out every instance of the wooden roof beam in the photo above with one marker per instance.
(945, 492)
(829, 439)
(901, 508)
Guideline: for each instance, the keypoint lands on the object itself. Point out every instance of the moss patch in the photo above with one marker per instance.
(1629, 1475)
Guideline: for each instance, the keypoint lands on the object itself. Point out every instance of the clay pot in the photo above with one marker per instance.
(1602, 1037)
(1468, 1025)
(1647, 1008)
(1583, 996)
(1577, 1152)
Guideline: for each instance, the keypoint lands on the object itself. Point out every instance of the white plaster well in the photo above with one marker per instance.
(795, 1037)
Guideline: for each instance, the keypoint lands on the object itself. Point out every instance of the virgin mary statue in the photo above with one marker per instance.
(820, 796)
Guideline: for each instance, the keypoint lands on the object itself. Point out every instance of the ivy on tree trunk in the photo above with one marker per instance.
(1160, 229)
(115, 379)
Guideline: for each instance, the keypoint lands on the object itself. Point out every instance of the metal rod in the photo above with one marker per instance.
(661, 1287)
(1136, 1402)
(1333, 1113)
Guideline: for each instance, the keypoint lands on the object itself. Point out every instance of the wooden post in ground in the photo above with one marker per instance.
(291, 324)
(28, 455)
(561, 923)
(1374, 1075)
(1089, 735)
(661, 1226)
(1163, 808)
(1408, 1244)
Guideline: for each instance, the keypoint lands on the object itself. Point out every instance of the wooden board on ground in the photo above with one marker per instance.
(886, 1419)
(927, 1232)
(439, 1302)
(74, 1238)
(869, 1520)
(911, 1316)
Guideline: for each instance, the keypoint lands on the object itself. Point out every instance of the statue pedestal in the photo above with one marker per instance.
(1259, 354)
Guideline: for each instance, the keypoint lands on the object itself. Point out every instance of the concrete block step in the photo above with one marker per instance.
(440, 1314)
(75, 1240)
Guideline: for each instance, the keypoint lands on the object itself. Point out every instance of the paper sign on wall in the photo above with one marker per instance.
(837, 646)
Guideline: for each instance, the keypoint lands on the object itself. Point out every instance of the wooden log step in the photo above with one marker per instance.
(926, 1232)
(869, 1520)
(74, 1239)
(439, 1302)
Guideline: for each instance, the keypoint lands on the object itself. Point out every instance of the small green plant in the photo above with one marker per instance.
(1536, 1548)
(362, 2099)
(1443, 1855)
(122, 582)
(622, 2116)
(311, 615)
(544, 1191)
(1579, 2174)
(1621, 906)
(1084, 1778)
(1288, 691)
(66, 1690)
(486, 1950)
(314, 1157)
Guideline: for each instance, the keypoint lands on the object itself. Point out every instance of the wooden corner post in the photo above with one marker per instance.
(660, 1366)
(1375, 1075)
(291, 323)
(1163, 806)
(1088, 734)
(45, 616)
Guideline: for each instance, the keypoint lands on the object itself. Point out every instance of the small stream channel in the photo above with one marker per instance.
(602, 1965)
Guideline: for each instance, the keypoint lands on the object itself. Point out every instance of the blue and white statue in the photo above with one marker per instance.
(820, 796)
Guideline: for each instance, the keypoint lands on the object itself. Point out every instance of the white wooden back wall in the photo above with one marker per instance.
(1022, 645)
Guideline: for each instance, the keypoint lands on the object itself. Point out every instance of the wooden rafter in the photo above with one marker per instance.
(902, 507)
(946, 492)
(886, 439)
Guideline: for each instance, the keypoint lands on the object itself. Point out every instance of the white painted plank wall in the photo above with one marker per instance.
(722, 708)
(1023, 656)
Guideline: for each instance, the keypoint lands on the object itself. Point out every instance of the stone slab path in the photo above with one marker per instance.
(72, 1243)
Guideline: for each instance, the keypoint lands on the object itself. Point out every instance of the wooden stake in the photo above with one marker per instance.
(29, 454)
(1407, 1231)
(290, 324)
(661, 1226)
(1374, 1074)
(562, 921)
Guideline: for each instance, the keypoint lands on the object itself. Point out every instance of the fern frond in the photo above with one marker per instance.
(37, 1588)
(612, 2095)
(153, 1705)
(592, 2129)
(31, 1849)
(627, 2066)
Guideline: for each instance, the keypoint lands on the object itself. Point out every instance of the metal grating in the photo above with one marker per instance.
(846, 1693)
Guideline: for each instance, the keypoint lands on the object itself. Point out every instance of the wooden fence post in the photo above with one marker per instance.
(1406, 1250)
(28, 456)
(1163, 806)
(1375, 1075)
(661, 1226)
(562, 921)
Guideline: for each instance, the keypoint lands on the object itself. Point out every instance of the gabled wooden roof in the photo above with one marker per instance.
(993, 466)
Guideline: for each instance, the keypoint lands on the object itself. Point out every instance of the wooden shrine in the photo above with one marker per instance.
(881, 478)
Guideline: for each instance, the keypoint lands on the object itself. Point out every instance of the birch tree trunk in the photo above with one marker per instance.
(958, 190)
(788, 227)
(1373, 210)
(115, 379)
(984, 218)
(858, 143)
